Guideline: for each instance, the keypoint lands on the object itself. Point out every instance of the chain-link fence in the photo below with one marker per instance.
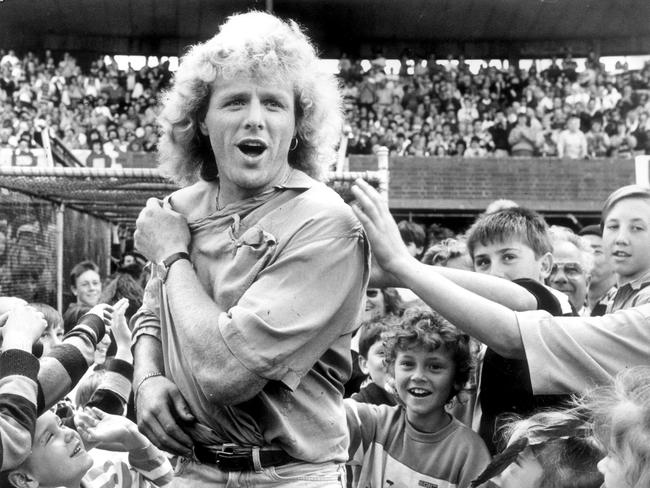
(27, 247)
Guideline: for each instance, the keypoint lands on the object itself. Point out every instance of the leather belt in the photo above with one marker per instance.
(230, 457)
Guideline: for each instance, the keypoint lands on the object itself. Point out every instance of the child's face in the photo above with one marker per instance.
(88, 288)
(626, 238)
(612, 467)
(424, 381)
(51, 337)
(524, 472)
(511, 259)
(373, 365)
(58, 455)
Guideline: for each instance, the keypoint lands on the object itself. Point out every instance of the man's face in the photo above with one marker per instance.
(250, 125)
(511, 259)
(568, 274)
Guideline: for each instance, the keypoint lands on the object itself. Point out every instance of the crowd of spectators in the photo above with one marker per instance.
(428, 108)
(439, 108)
(105, 105)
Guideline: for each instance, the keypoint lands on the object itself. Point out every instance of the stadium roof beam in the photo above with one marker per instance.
(475, 28)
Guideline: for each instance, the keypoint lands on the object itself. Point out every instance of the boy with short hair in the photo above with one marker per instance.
(371, 360)
(59, 457)
(514, 244)
(417, 443)
(53, 333)
(29, 386)
(626, 238)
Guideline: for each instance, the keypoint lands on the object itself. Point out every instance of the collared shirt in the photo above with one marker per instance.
(573, 354)
(631, 294)
(291, 286)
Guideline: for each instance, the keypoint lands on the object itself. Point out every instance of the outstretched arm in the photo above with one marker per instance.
(487, 321)
(18, 388)
(493, 288)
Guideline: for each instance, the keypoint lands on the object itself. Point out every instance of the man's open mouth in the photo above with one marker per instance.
(252, 147)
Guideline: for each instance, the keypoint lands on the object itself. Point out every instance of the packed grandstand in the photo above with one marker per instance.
(427, 107)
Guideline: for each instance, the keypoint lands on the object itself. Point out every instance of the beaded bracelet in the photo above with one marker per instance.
(153, 374)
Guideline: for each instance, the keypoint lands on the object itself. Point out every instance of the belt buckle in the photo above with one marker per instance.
(229, 460)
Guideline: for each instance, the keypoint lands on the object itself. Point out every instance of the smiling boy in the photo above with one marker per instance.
(59, 457)
(626, 239)
(514, 244)
(417, 443)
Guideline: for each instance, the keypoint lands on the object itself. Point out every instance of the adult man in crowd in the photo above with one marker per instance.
(242, 345)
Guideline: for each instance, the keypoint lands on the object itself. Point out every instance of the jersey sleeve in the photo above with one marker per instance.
(18, 393)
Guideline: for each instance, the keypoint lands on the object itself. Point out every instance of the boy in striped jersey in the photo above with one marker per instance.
(29, 386)
(18, 386)
(58, 456)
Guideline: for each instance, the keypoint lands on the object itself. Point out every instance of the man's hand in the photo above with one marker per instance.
(386, 243)
(159, 408)
(160, 232)
(23, 326)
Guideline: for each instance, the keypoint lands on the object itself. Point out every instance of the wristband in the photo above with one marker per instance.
(152, 374)
(90, 326)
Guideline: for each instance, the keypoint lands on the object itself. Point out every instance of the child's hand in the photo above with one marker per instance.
(7, 304)
(121, 331)
(386, 243)
(119, 327)
(107, 431)
(23, 327)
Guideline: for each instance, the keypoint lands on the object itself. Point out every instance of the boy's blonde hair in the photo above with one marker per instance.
(621, 414)
(562, 444)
